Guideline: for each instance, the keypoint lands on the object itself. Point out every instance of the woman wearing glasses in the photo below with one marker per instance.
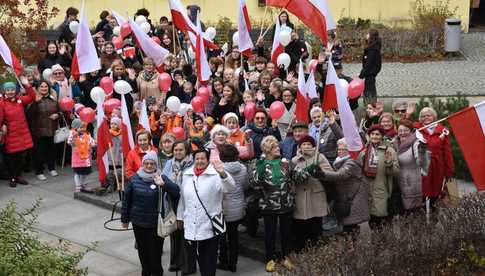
(260, 129)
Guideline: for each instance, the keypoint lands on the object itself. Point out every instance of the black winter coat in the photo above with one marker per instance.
(371, 61)
(258, 134)
(140, 202)
(296, 50)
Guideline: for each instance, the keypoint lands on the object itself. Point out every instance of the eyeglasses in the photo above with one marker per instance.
(400, 111)
(259, 118)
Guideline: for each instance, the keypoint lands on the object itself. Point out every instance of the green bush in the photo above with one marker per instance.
(22, 253)
(444, 108)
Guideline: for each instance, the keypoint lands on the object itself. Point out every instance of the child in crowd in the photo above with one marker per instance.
(165, 148)
(82, 144)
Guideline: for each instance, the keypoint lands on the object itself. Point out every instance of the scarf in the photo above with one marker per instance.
(391, 133)
(147, 76)
(147, 177)
(82, 146)
(371, 160)
(115, 132)
(178, 167)
(402, 145)
(198, 171)
(340, 160)
(275, 168)
(64, 90)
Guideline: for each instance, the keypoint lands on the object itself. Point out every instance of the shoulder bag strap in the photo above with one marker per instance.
(201, 203)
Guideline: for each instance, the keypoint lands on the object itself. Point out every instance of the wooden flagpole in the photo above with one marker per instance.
(114, 166)
(263, 20)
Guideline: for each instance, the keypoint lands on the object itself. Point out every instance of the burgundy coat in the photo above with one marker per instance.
(441, 165)
(12, 115)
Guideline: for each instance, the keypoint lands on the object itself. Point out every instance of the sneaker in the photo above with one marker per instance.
(288, 264)
(53, 173)
(41, 177)
(270, 266)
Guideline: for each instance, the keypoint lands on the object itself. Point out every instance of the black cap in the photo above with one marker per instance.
(299, 125)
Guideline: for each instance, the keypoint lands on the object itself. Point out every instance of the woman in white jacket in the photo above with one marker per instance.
(201, 197)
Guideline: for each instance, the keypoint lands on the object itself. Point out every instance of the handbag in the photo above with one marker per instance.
(167, 225)
(218, 222)
(62, 133)
(342, 208)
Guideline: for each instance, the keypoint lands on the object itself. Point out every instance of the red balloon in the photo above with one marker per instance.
(276, 110)
(312, 65)
(87, 115)
(66, 104)
(117, 41)
(125, 30)
(107, 84)
(179, 133)
(203, 92)
(111, 104)
(164, 82)
(250, 111)
(156, 39)
(197, 104)
(356, 88)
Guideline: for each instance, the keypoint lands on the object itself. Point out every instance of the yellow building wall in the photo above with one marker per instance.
(389, 12)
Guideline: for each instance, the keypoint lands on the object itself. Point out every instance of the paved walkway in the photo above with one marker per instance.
(443, 78)
(60, 216)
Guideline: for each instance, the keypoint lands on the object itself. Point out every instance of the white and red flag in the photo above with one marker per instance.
(85, 58)
(302, 99)
(119, 18)
(103, 143)
(144, 122)
(308, 12)
(127, 142)
(277, 48)
(149, 46)
(203, 69)
(10, 58)
(468, 127)
(244, 29)
(347, 119)
(180, 18)
(311, 86)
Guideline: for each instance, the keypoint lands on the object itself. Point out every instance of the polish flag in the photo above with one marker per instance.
(302, 99)
(149, 47)
(180, 18)
(103, 143)
(311, 86)
(120, 19)
(244, 29)
(277, 48)
(468, 127)
(307, 12)
(329, 97)
(10, 58)
(85, 58)
(127, 142)
(144, 122)
(322, 6)
(347, 119)
(203, 69)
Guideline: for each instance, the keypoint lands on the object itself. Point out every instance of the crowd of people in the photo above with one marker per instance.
(225, 170)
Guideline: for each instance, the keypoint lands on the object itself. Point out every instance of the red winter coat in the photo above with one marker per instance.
(18, 136)
(133, 160)
(441, 164)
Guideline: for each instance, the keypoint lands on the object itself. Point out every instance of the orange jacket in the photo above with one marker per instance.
(246, 150)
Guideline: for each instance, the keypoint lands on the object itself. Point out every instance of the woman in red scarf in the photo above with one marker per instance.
(143, 140)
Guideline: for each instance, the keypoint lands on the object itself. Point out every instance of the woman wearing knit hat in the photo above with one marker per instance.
(381, 167)
(15, 128)
(219, 135)
(310, 197)
(141, 206)
(82, 145)
(237, 137)
(60, 83)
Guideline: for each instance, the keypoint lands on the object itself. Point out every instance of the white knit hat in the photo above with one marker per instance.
(150, 155)
(229, 115)
(219, 128)
(57, 67)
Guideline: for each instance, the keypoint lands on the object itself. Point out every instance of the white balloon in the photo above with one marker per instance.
(140, 19)
(285, 38)
(283, 59)
(117, 30)
(122, 87)
(183, 109)
(74, 26)
(235, 39)
(146, 27)
(47, 73)
(211, 32)
(97, 95)
(173, 104)
(345, 85)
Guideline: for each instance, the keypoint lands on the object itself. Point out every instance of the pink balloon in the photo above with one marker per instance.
(66, 104)
(356, 88)
(312, 65)
(78, 107)
(111, 104)
(250, 111)
(197, 104)
(179, 133)
(156, 39)
(276, 110)
(117, 41)
(203, 92)
(125, 30)
(87, 115)
(164, 82)
(107, 84)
